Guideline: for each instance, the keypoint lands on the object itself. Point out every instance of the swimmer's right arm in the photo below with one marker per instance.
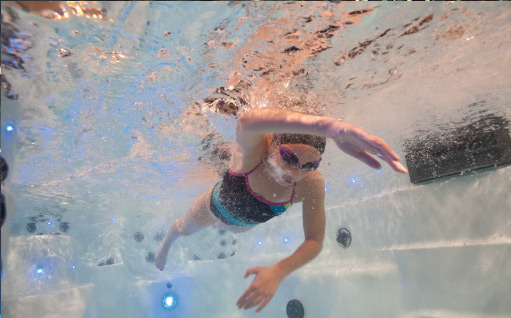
(351, 139)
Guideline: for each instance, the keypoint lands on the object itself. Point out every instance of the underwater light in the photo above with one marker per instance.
(9, 128)
(169, 301)
(39, 271)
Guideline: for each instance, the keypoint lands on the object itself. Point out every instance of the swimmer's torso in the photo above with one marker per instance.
(234, 202)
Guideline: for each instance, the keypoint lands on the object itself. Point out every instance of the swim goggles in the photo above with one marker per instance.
(291, 159)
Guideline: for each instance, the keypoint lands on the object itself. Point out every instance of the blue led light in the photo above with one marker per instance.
(73, 267)
(39, 271)
(355, 181)
(260, 243)
(9, 128)
(49, 223)
(114, 219)
(169, 301)
(285, 240)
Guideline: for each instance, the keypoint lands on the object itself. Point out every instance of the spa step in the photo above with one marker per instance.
(74, 302)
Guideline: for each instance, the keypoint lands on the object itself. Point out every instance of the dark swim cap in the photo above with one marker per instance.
(318, 142)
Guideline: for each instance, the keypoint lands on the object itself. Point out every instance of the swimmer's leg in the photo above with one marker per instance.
(196, 218)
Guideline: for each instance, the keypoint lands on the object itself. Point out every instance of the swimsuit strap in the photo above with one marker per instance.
(246, 173)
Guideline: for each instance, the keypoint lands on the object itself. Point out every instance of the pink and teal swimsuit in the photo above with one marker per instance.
(235, 203)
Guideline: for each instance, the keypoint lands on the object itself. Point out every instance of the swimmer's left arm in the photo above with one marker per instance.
(268, 279)
(313, 210)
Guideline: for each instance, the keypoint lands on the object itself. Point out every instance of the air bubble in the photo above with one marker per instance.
(63, 52)
(163, 53)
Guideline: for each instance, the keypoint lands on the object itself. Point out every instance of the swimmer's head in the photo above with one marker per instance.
(293, 156)
(318, 142)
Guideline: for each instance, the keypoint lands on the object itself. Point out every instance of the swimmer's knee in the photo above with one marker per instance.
(181, 229)
(187, 229)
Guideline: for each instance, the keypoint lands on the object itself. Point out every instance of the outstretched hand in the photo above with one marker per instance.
(262, 288)
(362, 145)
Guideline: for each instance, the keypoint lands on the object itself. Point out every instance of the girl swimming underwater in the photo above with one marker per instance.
(274, 166)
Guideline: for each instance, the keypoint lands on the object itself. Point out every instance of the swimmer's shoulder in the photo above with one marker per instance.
(248, 153)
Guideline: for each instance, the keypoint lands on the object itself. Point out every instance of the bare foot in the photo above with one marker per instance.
(161, 256)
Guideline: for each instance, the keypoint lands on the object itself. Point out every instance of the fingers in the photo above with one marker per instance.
(249, 299)
(254, 295)
(399, 167)
(372, 145)
(358, 154)
(368, 160)
(394, 163)
(265, 302)
(382, 147)
(249, 291)
(242, 300)
(251, 271)
(252, 298)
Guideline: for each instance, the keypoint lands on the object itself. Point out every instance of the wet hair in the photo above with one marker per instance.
(318, 142)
